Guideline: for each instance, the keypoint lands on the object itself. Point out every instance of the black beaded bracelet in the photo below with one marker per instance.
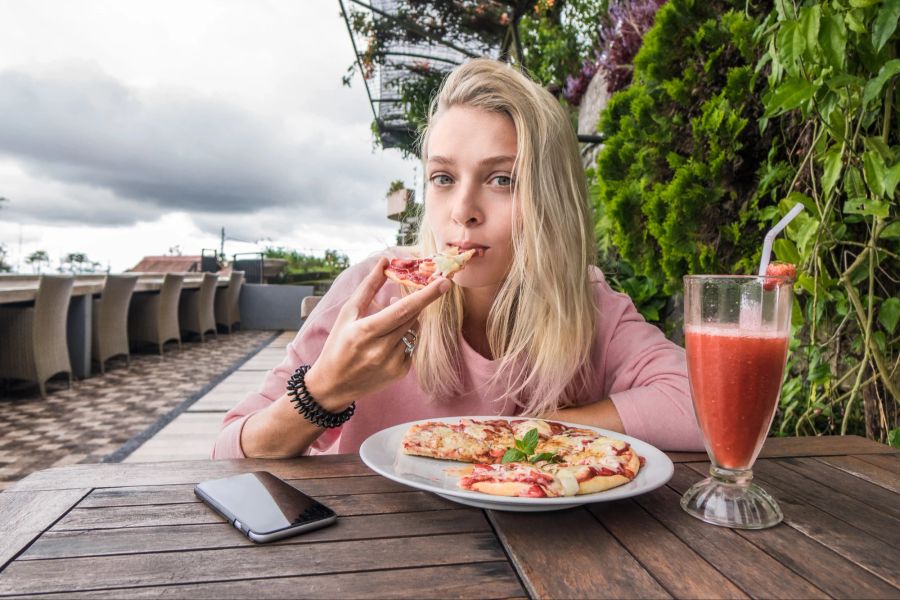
(307, 406)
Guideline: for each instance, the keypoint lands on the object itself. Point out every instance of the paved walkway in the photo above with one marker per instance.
(103, 418)
(191, 434)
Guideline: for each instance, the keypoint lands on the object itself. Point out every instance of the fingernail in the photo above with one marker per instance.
(444, 286)
(394, 299)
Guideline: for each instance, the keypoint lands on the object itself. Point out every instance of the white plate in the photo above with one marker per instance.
(382, 453)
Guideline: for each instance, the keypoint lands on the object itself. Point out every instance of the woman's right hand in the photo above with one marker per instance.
(364, 351)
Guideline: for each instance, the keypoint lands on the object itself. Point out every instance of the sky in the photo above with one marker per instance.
(129, 127)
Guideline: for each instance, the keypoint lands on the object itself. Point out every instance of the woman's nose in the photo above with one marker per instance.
(465, 209)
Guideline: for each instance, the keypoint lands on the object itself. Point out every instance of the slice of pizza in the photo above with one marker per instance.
(418, 272)
(520, 479)
(470, 440)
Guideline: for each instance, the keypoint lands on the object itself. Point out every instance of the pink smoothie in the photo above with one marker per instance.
(735, 381)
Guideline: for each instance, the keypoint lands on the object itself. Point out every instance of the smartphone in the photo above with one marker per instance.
(264, 507)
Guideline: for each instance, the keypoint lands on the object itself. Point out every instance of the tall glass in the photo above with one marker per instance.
(736, 336)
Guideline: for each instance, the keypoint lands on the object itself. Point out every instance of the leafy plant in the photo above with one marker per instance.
(676, 179)
(621, 34)
(831, 77)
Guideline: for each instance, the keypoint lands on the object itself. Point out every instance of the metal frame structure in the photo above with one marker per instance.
(382, 89)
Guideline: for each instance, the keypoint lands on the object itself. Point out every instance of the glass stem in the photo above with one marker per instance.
(738, 477)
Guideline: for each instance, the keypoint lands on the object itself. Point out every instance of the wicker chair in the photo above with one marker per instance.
(154, 318)
(228, 310)
(307, 305)
(196, 310)
(110, 323)
(33, 343)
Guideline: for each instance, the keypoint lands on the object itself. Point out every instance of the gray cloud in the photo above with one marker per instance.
(128, 154)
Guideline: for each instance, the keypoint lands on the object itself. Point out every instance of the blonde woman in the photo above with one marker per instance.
(528, 327)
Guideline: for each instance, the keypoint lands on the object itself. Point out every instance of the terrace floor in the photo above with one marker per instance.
(156, 406)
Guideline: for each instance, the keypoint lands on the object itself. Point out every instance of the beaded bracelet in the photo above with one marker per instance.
(307, 406)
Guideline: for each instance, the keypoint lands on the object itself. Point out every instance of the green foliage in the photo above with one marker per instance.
(676, 176)
(329, 265)
(37, 259)
(78, 262)
(557, 36)
(733, 117)
(831, 77)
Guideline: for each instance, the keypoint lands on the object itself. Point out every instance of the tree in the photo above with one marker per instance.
(36, 259)
(78, 262)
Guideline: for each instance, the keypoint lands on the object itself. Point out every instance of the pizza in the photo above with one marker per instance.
(418, 272)
(530, 458)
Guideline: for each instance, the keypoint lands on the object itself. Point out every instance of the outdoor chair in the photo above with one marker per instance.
(33, 344)
(228, 310)
(307, 305)
(154, 318)
(196, 309)
(110, 320)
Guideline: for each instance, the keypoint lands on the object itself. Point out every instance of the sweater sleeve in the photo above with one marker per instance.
(304, 349)
(645, 375)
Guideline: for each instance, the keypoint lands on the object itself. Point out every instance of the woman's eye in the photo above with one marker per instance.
(441, 180)
(502, 180)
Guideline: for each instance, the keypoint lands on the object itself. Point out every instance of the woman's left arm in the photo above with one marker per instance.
(644, 379)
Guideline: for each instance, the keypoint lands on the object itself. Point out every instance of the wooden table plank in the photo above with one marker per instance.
(870, 494)
(831, 445)
(229, 564)
(189, 471)
(841, 537)
(184, 493)
(865, 470)
(836, 503)
(668, 558)
(25, 515)
(891, 462)
(752, 569)
(814, 561)
(481, 580)
(198, 513)
(568, 554)
(137, 540)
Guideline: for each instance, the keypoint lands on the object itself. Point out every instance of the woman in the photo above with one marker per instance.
(528, 327)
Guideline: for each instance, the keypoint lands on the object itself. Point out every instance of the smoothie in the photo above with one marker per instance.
(735, 382)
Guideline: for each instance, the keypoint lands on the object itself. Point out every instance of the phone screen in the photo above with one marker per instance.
(262, 503)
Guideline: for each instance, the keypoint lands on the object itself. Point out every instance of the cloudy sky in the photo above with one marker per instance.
(131, 126)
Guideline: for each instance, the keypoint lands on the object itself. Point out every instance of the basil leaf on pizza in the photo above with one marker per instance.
(513, 455)
(543, 456)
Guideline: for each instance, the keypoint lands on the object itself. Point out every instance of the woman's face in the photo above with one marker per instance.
(469, 190)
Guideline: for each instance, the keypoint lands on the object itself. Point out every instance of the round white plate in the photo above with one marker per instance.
(382, 453)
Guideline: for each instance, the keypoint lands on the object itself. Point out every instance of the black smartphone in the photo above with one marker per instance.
(264, 507)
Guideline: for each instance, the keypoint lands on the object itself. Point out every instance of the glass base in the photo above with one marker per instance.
(729, 499)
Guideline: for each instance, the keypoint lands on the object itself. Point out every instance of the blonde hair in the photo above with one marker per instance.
(542, 324)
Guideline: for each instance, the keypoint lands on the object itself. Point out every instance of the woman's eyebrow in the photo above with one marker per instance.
(496, 160)
(489, 161)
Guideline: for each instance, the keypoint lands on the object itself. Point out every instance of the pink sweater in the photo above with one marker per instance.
(642, 372)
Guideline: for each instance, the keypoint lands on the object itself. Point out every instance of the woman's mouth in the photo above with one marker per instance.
(479, 249)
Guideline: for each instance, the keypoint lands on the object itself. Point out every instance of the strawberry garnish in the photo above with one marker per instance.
(781, 270)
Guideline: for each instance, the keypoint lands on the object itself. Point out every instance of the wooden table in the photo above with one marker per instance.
(136, 530)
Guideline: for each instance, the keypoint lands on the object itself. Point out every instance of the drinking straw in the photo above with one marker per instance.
(770, 237)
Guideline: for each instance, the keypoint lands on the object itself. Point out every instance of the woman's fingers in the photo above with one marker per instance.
(406, 309)
(359, 301)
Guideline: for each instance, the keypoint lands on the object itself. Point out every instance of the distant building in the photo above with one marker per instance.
(177, 264)
(401, 207)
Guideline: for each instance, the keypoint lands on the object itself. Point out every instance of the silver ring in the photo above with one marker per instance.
(410, 344)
